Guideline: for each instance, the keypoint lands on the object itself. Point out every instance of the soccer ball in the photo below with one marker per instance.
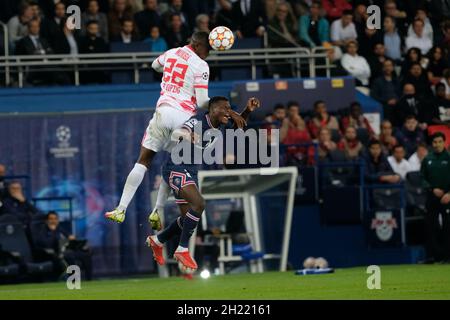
(221, 38)
(321, 263)
(184, 269)
(309, 263)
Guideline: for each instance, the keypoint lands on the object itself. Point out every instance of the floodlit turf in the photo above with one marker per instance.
(397, 282)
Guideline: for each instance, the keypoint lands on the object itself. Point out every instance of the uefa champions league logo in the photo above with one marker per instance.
(64, 150)
(63, 134)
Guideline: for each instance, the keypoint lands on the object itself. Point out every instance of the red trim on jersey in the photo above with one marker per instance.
(201, 86)
(190, 48)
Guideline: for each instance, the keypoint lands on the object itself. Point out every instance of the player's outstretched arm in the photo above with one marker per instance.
(252, 104)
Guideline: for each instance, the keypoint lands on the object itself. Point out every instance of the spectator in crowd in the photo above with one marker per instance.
(176, 7)
(376, 59)
(148, 17)
(436, 65)
(440, 106)
(293, 131)
(157, 43)
(281, 30)
(367, 41)
(128, 33)
(53, 237)
(335, 9)
(2, 181)
(391, 39)
(120, 10)
(417, 157)
(360, 18)
(427, 29)
(321, 119)
(91, 43)
(445, 41)
(377, 168)
(249, 18)
(16, 204)
(385, 89)
(410, 135)
(387, 138)
(51, 27)
(279, 112)
(435, 171)
(67, 41)
(418, 39)
(353, 148)
(413, 55)
(398, 162)
(418, 77)
(400, 16)
(33, 43)
(327, 149)
(409, 104)
(224, 16)
(202, 23)
(92, 13)
(313, 29)
(356, 119)
(343, 30)
(177, 35)
(446, 82)
(355, 64)
(18, 25)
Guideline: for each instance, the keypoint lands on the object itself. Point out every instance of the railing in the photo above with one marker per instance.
(138, 61)
(6, 48)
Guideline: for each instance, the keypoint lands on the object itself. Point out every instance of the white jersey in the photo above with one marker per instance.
(184, 71)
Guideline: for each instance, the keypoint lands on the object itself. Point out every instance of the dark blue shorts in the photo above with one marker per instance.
(177, 177)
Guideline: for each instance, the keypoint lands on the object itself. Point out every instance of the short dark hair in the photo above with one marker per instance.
(439, 85)
(410, 116)
(438, 134)
(91, 22)
(316, 103)
(418, 19)
(347, 13)
(201, 37)
(293, 103)
(51, 213)
(216, 99)
(373, 142)
(278, 106)
(398, 146)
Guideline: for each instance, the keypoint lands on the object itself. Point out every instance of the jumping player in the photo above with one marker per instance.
(184, 86)
(182, 178)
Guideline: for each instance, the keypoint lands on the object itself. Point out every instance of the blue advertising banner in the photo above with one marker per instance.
(87, 156)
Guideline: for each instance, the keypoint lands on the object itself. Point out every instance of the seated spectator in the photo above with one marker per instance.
(92, 13)
(202, 23)
(417, 77)
(440, 106)
(157, 43)
(409, 104)
(327, 147)
(128, 33)
(279, 113)
(91, 43)
(176, 7)
(284, 25)
(446, 81)
(413, 55)
(391, 39)
(377, 168)
(398, 162)
(410, 135)
(148, 17)
(418, 39)
(67, 41)
(416, 158)
(360, 17)
(33, 43)
(314, 29)
(16, 204)
(367, 41)
(18, 25)
(356, 119)
(387, 139)
(321, 119)
(335, 9)
(51, 27)
(355, 64)
(249, 18)
(436, 65)
(293, 131)
(343, 30)
(177, 35)
(376, 59)
(385, 89)
(353, 148)
(119, 11)
(52, 237)
(421, 14)
(400, 16)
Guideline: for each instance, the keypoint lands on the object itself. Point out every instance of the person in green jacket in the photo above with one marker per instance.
(435, 172)
(313, 30)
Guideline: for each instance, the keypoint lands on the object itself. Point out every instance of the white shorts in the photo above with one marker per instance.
(164, 121)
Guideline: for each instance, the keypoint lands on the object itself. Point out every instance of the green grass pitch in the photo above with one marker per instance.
(397, 282)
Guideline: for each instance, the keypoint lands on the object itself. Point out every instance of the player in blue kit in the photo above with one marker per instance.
(182, 176)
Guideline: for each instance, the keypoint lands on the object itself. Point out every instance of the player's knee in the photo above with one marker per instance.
(198, 205)
(145, 158)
